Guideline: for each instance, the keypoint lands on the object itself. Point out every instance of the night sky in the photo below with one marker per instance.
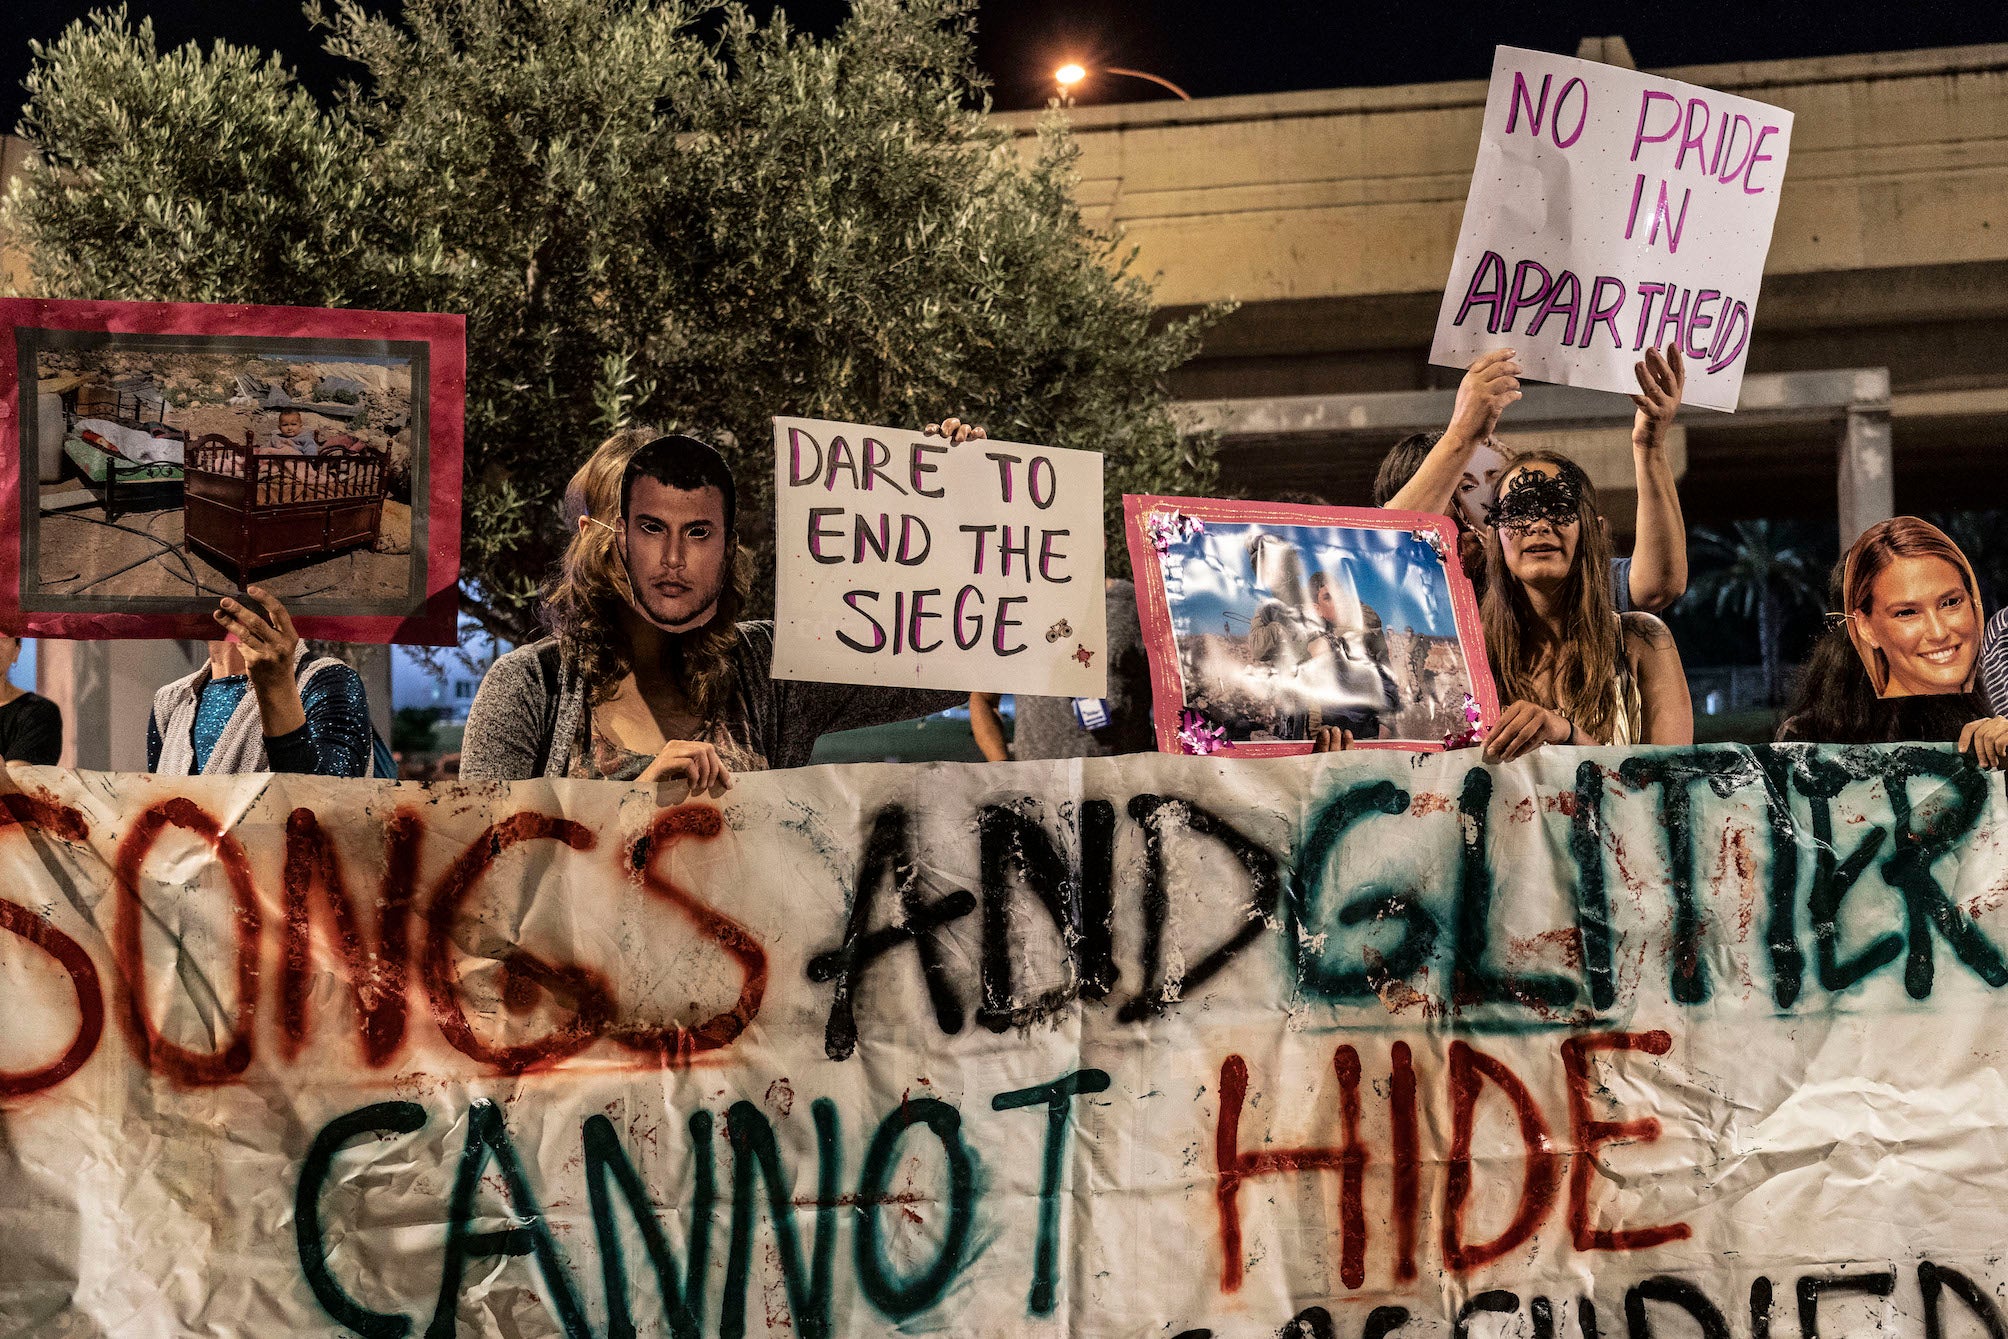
(1213, 47)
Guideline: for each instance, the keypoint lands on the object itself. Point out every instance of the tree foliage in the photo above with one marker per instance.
(662, 213)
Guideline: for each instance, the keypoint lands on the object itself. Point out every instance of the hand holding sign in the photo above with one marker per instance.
(955, 430)
(694, 762)
(1662, 378)
(1490, 384)
(903, 561)
(1524, 727)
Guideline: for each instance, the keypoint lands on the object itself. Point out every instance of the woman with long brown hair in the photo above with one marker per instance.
(1899, 663)
(648, 672)
(1571, 670)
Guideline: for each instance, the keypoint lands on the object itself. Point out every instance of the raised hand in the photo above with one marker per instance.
(1490, 384)
(264, 636)
(955, 430)
(1662, 377)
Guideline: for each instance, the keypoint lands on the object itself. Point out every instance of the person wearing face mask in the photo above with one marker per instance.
(1900, 662)
(1456, 472)
(648, 673)
(31, 726)
(263, 702)
(1570, 668)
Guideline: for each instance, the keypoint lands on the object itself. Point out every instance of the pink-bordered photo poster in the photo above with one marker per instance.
(1265, 620)
(159, 456)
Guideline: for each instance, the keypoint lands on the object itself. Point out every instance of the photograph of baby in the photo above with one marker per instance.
(1276, 626)
(167, 455)
(168, 469)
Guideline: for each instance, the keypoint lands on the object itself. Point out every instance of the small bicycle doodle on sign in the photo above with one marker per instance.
(1059, 630)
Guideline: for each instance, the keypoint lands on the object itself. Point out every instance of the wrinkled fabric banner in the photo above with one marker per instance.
(1686, 1042)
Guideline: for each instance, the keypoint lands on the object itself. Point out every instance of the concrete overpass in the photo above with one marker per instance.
(1878, 377)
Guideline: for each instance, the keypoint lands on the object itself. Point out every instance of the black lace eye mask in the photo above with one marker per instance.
(1531, 496)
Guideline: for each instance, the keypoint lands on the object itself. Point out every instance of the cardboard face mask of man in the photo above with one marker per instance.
(675, 542)
(1912, 609)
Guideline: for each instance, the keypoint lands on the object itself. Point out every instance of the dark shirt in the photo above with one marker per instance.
(1621, 585)
(1936, 719)
(31, 731)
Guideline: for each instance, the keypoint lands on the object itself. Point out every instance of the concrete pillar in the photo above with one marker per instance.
(370, 661)
(1868, 472)
(105, 691)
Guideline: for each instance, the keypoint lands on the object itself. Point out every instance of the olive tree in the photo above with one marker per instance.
(662, 213)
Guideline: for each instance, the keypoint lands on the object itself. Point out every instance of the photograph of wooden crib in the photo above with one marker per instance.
(249, 510)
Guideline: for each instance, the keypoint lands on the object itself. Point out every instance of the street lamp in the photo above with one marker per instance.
(1073, 73)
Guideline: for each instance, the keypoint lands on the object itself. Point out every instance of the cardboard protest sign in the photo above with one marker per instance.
(1264, 621)
(1595, 1043)
(155, 457)
(903, 560)
(1611, 210)
(1912, 606)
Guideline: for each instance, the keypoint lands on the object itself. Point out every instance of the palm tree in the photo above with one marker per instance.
(1756, 570)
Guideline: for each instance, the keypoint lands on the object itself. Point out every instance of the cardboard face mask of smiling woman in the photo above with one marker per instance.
(1913, 609)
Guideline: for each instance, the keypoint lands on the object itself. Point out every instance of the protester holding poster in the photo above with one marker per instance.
(1835, 703)
(649, 673)
(1571, 669)
(1457, 472)
(263, 703)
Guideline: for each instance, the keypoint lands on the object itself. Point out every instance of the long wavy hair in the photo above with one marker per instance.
(585, 596)
(1836, 703)
(1879, 546)
(1585, 677)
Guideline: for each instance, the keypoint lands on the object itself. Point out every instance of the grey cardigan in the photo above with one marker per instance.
(530, 710)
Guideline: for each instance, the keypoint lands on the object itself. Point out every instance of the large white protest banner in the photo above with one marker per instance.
(902, 560)
(1696, 1042)
(1611, 210)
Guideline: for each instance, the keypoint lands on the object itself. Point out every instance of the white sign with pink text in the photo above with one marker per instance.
(1612, 210)
(905, 561)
